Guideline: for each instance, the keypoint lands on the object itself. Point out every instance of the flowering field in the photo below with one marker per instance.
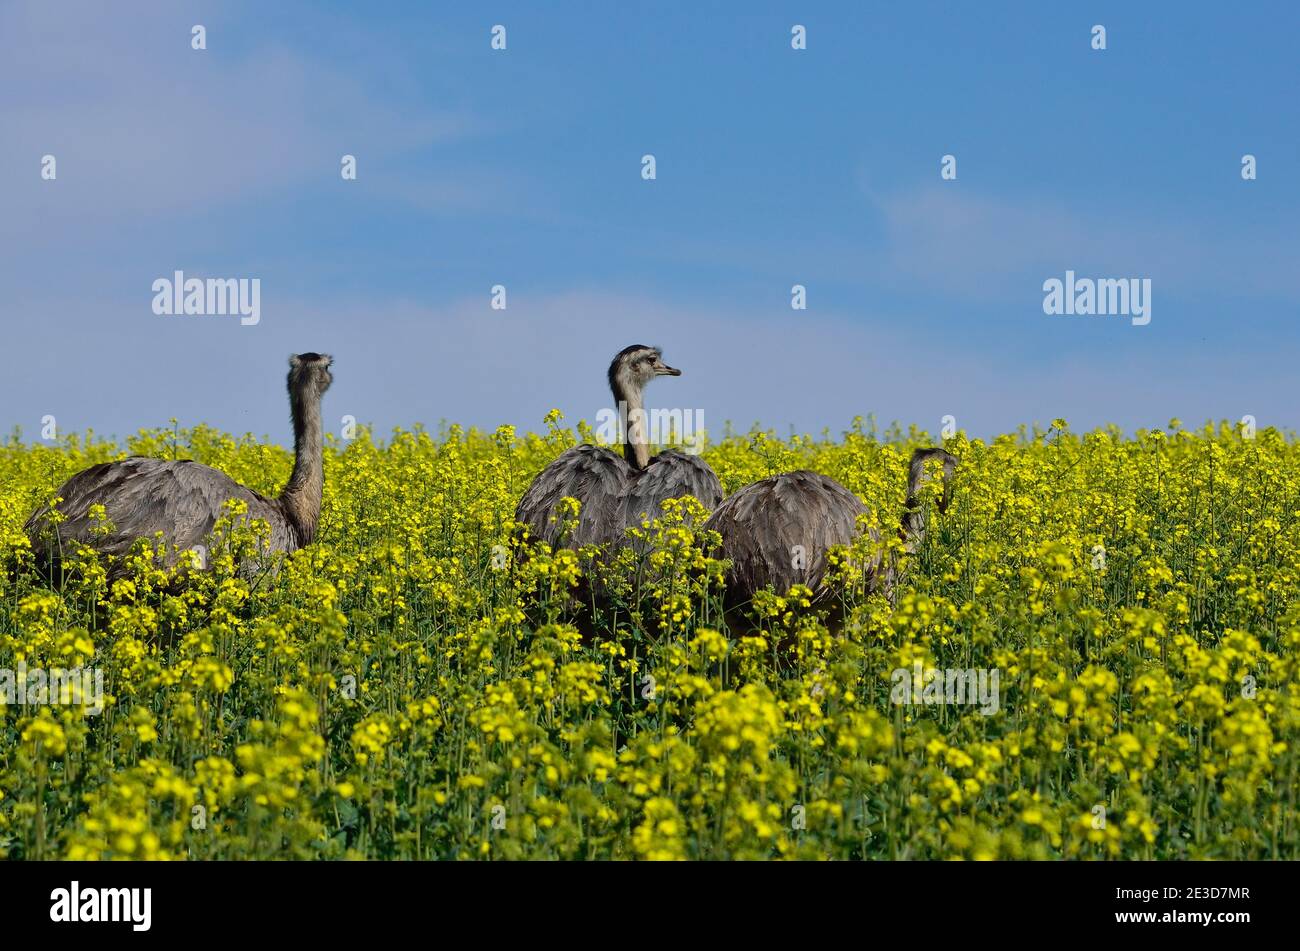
(413, 685)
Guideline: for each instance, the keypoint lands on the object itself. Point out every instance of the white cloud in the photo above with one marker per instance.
(985, 248)
(399, 362)
(143, 126)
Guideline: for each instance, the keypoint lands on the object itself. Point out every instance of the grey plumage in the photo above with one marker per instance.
(183, 499)
(669, 475)
(776, 532)
(616, 491)
(597, 478)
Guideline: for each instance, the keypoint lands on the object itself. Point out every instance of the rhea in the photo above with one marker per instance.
(182, 499)
(616, 492)
(776, 532)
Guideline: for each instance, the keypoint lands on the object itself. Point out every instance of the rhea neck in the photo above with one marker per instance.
(912, 526)
(630, 397)
(301, 497)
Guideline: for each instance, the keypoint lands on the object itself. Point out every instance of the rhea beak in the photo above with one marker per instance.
(663, 369)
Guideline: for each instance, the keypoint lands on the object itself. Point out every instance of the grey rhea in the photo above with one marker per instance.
(776, 532)
(183, 499)
(615, 491)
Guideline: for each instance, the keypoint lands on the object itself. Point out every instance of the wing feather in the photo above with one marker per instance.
(777, 531)
(597, 477)
(143, 496)
(670, 475)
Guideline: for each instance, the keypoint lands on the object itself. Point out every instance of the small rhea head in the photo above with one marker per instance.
(637, 365)
(310, 371)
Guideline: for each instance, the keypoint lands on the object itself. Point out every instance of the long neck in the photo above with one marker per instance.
(915, 521)
(916, 517)
(301, 497)
(635, 448)
(911, 530)
(912, 526)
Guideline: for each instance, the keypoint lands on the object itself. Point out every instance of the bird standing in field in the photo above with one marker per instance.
(615, 491)
(183, 499)
(776, 532)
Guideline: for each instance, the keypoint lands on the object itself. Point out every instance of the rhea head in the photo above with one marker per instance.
(635, 366)
(309, 373)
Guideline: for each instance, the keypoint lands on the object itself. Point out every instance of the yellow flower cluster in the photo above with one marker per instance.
(1095, 654)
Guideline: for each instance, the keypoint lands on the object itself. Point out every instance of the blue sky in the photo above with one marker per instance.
(775, 167)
